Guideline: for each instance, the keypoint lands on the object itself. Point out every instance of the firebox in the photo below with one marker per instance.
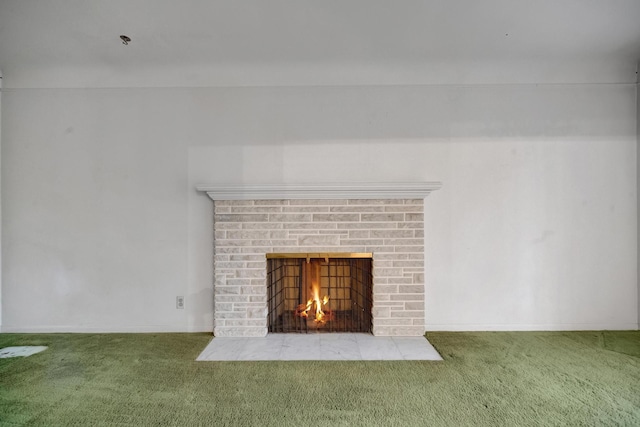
(319, 292)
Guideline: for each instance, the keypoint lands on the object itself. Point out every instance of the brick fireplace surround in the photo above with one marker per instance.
(384, 219)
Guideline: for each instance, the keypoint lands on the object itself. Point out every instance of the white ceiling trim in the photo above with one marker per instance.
(361, 190)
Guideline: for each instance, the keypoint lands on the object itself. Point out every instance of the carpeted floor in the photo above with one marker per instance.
(489, 378)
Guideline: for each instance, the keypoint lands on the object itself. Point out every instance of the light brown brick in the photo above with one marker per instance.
(403, 208)
(328, 202)
(262, 226)
(387, 272)
(373, 201)
(365, 225)
(289, 217)
(306, 209)
(247, 234)
(382, 217)
(408, 263)
(335, 217)
(241, 217)
(407, 314)
(271, 202)
(356, 209)
(392, 233)
(401, 248)
(410, 289)
(392, 322)
(311, 226)
(227, 225)
(380, 312)
(255, 209)
(359, 234)
(407, 297)
(362, 242)
(385, 289)
(322, 240)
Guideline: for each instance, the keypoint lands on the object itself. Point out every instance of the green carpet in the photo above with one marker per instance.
(488, 378)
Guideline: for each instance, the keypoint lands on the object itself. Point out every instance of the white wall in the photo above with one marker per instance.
(96, 211)
(535, 227)
(0, 202)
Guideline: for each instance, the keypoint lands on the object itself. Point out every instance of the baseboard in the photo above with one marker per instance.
(460, 327)
(48, 329)
(432, 327)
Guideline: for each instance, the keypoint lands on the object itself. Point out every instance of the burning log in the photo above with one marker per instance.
(320, 307)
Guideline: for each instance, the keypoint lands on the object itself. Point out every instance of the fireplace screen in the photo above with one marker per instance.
(319, 294)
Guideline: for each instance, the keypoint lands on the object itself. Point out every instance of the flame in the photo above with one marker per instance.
(315, 304)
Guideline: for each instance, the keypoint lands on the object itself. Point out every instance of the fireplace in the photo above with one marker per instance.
(319, 292)
(252, 223)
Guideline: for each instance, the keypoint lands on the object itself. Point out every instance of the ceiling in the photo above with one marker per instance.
(75, 43)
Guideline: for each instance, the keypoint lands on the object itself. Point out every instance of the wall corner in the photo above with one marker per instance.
(0, 200)
(638, 185)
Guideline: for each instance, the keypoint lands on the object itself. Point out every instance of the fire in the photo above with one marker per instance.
(317, 306)
(320, 315)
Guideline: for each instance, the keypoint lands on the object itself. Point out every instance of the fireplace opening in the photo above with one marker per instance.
(319, 292)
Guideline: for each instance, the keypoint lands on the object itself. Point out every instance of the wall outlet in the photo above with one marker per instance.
(180, 302)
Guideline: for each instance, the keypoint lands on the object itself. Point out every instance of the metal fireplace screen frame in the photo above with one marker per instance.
(345, 278)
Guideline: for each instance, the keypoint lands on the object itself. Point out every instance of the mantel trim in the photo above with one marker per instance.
(361, 190)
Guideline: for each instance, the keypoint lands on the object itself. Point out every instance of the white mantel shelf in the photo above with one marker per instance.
(360, 190)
